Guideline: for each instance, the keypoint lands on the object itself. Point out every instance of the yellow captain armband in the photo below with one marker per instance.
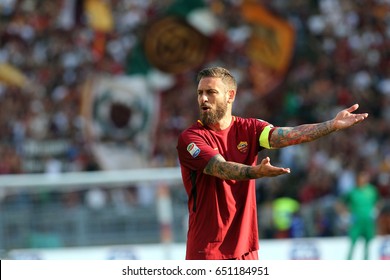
(264, 136)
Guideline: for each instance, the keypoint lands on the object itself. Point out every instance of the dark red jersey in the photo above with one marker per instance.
(222, 213)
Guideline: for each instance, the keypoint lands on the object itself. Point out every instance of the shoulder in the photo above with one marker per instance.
(251, 122)
(192, 133)
(196, 128)
(373, 188)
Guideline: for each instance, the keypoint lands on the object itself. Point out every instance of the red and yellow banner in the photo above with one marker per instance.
(99, 15)
(270, 46)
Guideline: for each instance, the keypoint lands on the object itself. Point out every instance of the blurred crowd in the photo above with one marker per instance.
(341, 57)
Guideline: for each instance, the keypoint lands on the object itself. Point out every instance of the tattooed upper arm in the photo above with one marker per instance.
(278, 138)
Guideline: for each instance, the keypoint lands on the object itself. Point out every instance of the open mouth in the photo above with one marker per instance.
(205, 108)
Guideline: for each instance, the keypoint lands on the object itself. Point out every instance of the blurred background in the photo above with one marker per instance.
(89, 87)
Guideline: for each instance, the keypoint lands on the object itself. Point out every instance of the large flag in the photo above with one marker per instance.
(119, 115)
(174, 46)
(176, 41)
(270, 47)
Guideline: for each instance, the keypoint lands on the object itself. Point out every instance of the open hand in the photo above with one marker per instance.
(265, 169)
(346, 118)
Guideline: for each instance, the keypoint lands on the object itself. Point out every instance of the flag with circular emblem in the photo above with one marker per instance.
(176, 40)
(119, 114)
(174, 46)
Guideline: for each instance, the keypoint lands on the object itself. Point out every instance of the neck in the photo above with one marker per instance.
(222, 124)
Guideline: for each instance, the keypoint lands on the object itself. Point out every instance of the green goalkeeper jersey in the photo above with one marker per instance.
(361, 201)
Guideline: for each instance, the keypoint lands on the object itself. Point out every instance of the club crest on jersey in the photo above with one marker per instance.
(193, 149)
(242, 146)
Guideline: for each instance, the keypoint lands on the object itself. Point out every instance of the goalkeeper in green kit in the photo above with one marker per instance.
(361, 203)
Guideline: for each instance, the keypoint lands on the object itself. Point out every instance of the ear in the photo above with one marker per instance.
(231, 95)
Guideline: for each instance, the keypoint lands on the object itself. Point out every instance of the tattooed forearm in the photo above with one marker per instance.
(220, 168)
(287, 136)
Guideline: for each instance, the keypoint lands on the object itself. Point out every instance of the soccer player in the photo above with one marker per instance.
(218, 159)
(361, 203)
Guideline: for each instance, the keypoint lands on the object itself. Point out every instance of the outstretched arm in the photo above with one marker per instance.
(228, 170)
(287, 136)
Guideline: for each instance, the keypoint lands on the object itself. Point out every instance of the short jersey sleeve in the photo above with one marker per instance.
(194, 151)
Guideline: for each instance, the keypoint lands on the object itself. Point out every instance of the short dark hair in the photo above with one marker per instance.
(218, 72)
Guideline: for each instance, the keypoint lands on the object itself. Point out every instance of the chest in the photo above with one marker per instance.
(235, 145)
(364, 196)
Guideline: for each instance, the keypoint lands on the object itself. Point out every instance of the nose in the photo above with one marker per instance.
(202, 98)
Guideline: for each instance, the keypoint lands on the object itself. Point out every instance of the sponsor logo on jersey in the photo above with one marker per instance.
(193, 149)
(242, 146)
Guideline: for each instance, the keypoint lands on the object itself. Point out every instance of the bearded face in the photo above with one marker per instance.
(214, 98)
(210, 115)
